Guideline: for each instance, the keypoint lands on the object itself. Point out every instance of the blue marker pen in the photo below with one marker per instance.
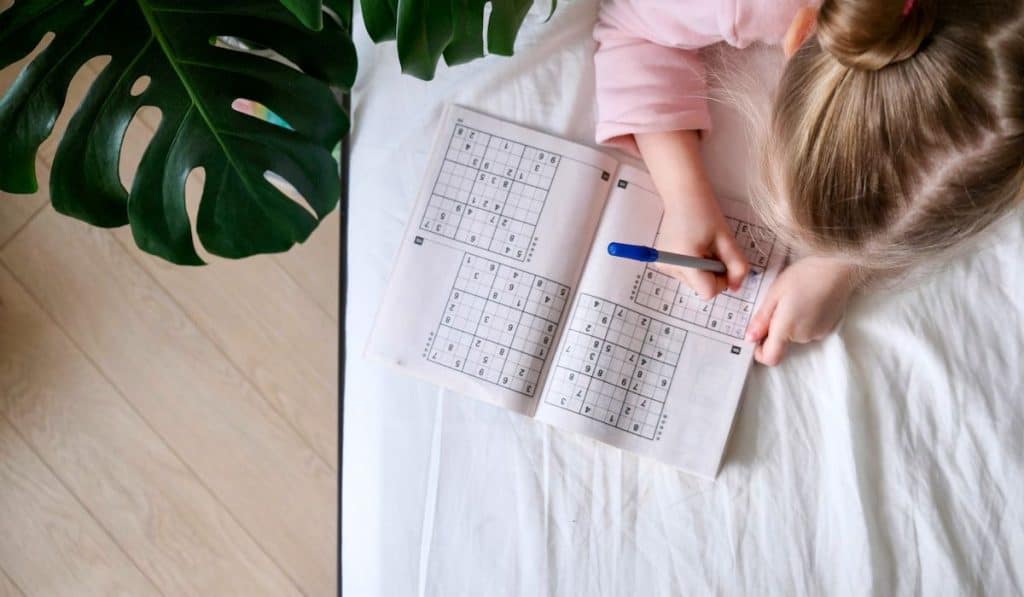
(642, 253)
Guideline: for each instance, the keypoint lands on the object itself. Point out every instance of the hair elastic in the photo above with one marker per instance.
(908, 6)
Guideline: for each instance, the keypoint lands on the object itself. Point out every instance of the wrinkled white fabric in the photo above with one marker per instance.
(886, 460)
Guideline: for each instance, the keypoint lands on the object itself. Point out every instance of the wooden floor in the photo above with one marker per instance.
(163, 430)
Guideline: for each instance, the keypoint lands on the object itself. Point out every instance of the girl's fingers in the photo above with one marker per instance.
(757, 329)
(736, 265)
(779, 320)
(771, 351)
(703, 283)
(721, 284)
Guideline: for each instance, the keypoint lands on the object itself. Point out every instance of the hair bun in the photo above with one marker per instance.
(872, 34)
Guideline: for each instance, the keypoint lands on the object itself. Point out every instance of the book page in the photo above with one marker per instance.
(491, 257)
(644, 364)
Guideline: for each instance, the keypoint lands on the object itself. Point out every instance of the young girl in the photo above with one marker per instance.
(897, 131)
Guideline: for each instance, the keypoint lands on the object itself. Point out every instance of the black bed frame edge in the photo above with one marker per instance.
(342, 301)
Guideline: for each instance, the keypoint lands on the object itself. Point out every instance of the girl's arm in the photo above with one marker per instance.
(651, 100)
(642, 86)
(693, 222)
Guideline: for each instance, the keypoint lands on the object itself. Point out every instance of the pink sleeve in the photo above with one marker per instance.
(644, 87)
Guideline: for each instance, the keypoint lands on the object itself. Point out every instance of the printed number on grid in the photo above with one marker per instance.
(499, 324)
(729, 312)
(490, 192)
(616, 366)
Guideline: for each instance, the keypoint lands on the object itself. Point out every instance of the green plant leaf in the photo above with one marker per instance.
(506, 19)
(193, 83)
(467, 41)
(427, 30)
(310, 12)
(380, 18)
(342, 9)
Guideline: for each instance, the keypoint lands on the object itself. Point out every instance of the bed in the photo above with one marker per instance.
(886, 460)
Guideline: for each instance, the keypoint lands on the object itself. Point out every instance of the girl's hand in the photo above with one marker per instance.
(693, 223)
(695, 226)
(805, 304)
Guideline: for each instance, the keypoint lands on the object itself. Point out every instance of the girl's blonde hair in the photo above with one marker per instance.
(895, 135)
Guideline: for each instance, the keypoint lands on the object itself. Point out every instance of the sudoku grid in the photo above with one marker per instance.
(729, 312)
(499, 324)
(616, 366)
(490, 192)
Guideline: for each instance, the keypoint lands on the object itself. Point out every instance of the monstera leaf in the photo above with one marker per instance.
(193, 80)
(310, 12)
(426, 30)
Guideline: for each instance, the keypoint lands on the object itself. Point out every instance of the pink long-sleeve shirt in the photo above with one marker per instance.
(649, 75)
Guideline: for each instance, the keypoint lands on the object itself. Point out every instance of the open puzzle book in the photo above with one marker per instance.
(504, 291)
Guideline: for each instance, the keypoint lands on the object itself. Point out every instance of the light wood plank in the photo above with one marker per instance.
(293, 379)
(151, 503)
(314, 264)
(262, 320)
(182, 385)
(8, 588)
(269, 327)
(50, 545)
(15, 210)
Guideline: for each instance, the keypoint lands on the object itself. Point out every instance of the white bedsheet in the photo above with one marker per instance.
(886, 460)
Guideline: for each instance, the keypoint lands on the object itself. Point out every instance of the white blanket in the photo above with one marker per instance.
(886, 460)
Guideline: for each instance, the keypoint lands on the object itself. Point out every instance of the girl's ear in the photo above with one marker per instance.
(799, 30)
